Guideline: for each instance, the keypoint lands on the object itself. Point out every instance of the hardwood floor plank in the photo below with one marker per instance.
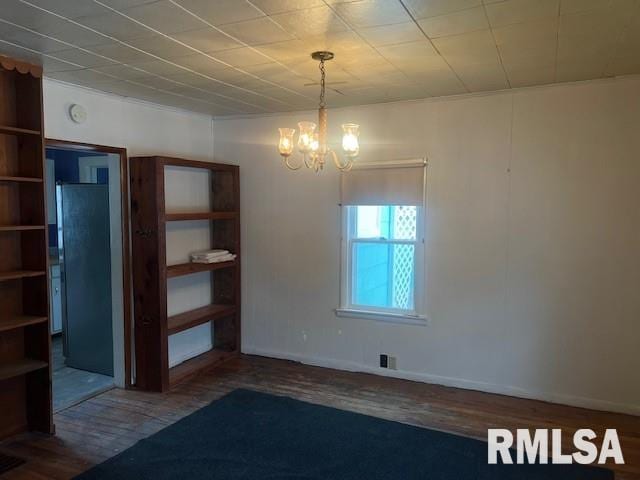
(103, 426)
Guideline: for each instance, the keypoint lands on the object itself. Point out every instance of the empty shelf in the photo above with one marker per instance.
(189, 268)
(194, 365)
(5, 178)
(193, 318)
(18, 131)
(176, 217)
(15, 274)
(19, 321)
(20, 367)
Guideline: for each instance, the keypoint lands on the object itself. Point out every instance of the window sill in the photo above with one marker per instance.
(419, 320)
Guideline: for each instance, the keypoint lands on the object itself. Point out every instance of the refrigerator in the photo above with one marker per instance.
(85, 276)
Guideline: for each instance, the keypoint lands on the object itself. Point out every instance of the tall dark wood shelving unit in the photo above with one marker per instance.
(25, 342)
(150, 271)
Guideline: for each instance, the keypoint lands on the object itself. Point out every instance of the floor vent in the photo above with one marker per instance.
(8, 462)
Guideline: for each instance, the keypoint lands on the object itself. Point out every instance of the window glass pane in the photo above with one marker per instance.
(383, 275)
(390, 222)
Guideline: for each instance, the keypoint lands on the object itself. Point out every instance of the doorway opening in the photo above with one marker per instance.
(87, 218)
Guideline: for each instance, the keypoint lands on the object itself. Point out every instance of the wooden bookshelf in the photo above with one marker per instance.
(149, 220)
(25, 342)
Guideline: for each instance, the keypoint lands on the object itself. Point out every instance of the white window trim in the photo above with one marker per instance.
(346, 309)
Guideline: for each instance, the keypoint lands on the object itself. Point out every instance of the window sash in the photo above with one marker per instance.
(348, 273)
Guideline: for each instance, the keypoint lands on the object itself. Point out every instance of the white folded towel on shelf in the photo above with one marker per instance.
(212, 256)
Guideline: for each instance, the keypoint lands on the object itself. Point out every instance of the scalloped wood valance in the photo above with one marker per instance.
(22, 67)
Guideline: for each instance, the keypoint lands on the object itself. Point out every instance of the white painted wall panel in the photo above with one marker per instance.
(532, 230)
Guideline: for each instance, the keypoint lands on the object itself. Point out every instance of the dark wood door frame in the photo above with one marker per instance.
(126, 257)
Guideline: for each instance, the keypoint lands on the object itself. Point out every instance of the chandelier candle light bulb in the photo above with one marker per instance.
(312, 144)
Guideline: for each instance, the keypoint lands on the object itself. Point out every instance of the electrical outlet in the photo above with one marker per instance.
(387, 361)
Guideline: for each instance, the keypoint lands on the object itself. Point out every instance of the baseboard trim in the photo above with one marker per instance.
(569, 400)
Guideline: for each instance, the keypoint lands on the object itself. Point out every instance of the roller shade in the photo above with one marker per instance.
(384, 184)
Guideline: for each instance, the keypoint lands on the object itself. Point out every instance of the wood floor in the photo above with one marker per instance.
(102, 426)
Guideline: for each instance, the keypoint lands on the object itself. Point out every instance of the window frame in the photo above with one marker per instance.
(415, 316)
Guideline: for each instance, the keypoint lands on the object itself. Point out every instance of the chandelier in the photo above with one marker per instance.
(312, 144)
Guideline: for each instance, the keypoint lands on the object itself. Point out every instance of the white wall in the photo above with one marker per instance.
(145, 129)
(533, 243)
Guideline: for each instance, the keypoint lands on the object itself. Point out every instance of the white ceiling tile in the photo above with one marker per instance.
(518, 11)
(83, 77)
(575, 6)
(161, 46)
(571, 72)
(600, 22)
(220, 12)
(468, 48)
(35, 41)
(392, 34)
(409, 51)
(75, 34)
(534, 56)
(26, 16)
(480, 78)
(433, 8)
(239, 57)
(370, 13)
(115, 25)
(624, 65)
(51, 65)
(122, 4)
(440, 82)
(312, 21)
(573, 50)
(257, 31)
(527, 34)
(159, 67)
(207, 40)
(164, 16)
(70, 8)
(120, 53)
(83, 58)
(272, 7)
(201, 64)
(528, 44)
(526, 77)
(124, 72)
(291, 51)
(455, 23)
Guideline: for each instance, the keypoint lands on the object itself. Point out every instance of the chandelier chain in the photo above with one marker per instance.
(322, 75)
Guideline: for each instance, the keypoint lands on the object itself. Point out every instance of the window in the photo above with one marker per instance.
(382, 256)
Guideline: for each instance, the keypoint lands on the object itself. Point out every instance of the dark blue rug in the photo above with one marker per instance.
(249, 435)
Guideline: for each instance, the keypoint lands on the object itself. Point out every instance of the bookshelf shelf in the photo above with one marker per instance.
(7, 130)
(177, 217)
